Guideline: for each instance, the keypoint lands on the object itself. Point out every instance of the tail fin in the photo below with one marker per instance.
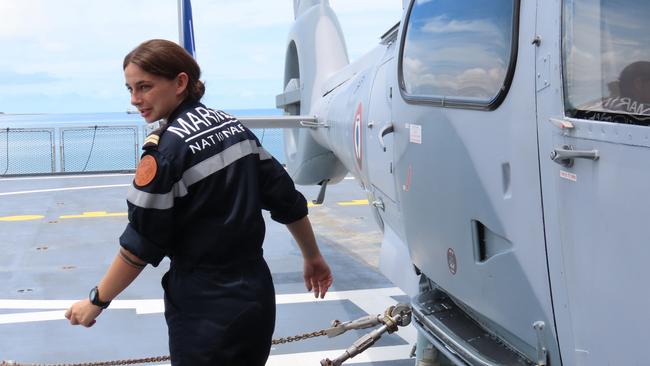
(315, 52)
(300, 6)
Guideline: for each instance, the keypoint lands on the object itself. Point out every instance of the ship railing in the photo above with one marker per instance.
(85, 149)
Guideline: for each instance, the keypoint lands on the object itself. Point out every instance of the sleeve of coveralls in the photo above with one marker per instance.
(279, 195)
(151, 203)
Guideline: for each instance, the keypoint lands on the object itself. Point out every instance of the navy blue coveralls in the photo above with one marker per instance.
(199, 202)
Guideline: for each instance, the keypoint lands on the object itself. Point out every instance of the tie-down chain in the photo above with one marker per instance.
(394, 317)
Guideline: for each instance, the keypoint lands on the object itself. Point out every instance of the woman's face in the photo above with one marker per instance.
(155, 96)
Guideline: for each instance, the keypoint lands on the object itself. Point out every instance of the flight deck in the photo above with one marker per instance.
(58, 234)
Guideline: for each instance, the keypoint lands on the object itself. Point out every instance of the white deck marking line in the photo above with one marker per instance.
(68, 177)
(374, 354)
(371, 301)
(32, 317)
(63, 189)
(149, 306)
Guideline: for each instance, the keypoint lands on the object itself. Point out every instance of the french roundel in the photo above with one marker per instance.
(358, 136)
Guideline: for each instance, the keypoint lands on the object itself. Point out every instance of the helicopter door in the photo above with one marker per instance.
(379, 133)
(595, 160)
(468, 168)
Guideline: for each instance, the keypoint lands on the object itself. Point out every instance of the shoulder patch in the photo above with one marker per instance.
(146, 171)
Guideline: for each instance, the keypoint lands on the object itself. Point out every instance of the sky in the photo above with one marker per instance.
(66, 56)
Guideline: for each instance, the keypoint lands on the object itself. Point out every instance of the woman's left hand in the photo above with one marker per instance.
(83, 312)
(318, 276)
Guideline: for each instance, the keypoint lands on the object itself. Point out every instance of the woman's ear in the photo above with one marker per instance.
(182, 81)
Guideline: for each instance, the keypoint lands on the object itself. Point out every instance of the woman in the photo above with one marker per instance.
(197, 197)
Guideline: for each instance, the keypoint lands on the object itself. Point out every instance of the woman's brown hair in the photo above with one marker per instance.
(167, 59)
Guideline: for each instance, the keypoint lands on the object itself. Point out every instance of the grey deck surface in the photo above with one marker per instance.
(54, 257)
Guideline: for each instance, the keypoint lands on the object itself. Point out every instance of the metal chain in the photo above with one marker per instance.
(299, 337)
(134, 361)
(137, 361)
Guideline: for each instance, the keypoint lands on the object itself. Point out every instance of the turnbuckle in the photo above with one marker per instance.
(393, 317)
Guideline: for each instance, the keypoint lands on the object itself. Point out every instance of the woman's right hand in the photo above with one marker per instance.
(83, 312)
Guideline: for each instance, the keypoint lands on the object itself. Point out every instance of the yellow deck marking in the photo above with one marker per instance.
(22, 218)
(94, 214)
(353, 203)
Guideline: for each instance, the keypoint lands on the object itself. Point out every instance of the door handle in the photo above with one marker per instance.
(565, 155)
(389, 128)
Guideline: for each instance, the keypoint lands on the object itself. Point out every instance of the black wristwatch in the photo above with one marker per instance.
(94, 298)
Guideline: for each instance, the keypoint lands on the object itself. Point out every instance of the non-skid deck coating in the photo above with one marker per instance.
(59, 234)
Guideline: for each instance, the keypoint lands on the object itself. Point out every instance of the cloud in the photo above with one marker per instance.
(15, 78)
(471, 82)
(361, 7)
(75, 48)
(78, 20)
(243, 14)
(443, 25)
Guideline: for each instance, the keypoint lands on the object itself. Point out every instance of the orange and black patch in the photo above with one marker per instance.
(146, 171)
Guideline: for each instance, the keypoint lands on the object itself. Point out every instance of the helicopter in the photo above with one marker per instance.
(501, 147)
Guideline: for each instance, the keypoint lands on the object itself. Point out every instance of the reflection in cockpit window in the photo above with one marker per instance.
(457, 49)
(607, 60)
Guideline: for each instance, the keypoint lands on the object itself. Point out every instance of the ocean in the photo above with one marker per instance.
(90, 142)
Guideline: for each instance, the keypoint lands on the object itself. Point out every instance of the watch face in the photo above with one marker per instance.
(93, 295)
(94, 298)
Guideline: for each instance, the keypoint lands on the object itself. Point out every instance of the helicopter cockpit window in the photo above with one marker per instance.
(607, 60)
(458, 51)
